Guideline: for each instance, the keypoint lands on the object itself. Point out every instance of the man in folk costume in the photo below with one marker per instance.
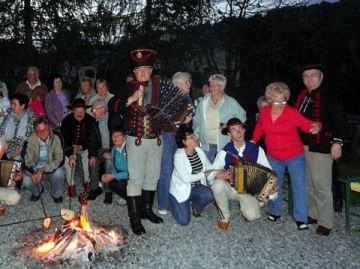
(146, 103)
(319, 103)
(237, 149)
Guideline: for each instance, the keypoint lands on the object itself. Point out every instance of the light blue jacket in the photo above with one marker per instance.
(229, 108)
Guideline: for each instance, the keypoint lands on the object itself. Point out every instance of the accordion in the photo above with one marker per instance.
(254, 179)
(8, 173)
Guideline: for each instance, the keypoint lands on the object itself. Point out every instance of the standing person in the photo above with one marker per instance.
(214, 110)
(17, 126)
(43, 157)
(189, 187)
(236, 149)
(117, 178)
(81, 137)
(33, 83)
(56, 103)
(86, 91)
(101, 115)
(319, 102)
(34, 104)
(146, 103)
(182, 82)
(279, 124)
(102, 89)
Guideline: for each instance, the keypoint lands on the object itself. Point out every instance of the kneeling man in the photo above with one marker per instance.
(43, 160)
(238, 148)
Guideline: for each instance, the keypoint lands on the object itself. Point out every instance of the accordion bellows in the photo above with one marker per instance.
(254, 179)
(8, 172)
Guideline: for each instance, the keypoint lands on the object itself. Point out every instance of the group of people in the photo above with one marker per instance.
(148, 139)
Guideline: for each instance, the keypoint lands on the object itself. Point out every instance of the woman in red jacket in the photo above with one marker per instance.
(279, 124)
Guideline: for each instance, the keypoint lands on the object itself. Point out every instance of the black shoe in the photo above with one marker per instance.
(108, 198)
(34, 198)
(273, 218)
(58, 200)
(147, 199)
(338, 206)
(93, 194)
(193, 211)
(302, 226)
(133, 205)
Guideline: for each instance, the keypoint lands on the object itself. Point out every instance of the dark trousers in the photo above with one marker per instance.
(119, 187)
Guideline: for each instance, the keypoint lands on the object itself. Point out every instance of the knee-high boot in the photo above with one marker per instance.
(134, 207)
(147, 203)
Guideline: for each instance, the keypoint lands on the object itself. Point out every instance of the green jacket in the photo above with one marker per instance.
(55, 153)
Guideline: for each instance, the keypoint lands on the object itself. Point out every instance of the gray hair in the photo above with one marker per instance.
(218, 77)
(180, 76)
(261, 99)
(99, 102)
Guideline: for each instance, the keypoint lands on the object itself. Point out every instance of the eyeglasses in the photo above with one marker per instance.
(214, 86)
(96, 109)
(279, 103)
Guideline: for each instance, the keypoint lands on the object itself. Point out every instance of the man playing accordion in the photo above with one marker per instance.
(237, 149)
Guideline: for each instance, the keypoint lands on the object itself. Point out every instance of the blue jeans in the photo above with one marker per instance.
(167, 167)
(297, 170)
(200, 196)
(211, 153)
(56, 179)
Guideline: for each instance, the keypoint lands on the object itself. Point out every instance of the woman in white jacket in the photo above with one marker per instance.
(188, 186)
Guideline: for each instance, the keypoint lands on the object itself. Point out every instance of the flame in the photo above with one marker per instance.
(46, 247)
(112, 234)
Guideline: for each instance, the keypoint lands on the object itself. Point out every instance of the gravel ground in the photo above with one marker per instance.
(201, 244)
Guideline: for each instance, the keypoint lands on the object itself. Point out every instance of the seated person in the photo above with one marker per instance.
(43, 159)
(223, 191)
(188, 185)
(8, 196)
(117, 179)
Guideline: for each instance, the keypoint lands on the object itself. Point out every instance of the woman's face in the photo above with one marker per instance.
(16, 107)
(191, 141)
(101, 89)
(118, 139)
(184, 85)
(85, 87)
(278, 102)
(216, 88)
(58, 84)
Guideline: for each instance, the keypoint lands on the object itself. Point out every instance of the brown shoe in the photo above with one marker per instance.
(223, 225)
(72, 191)
(321, 230)
(310, 220)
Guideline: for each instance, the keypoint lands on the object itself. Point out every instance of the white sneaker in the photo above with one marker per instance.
(162, 212)
(122, 202)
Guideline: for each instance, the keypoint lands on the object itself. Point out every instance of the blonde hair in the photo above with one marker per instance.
(277, 88)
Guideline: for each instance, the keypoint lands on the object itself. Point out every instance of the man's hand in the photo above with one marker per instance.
(336, 151)
(92, 161)
(76, 149)
(36, 176)
(107, 155)
(72, 162)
